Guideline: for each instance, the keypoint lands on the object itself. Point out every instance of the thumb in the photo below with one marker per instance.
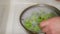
(43, 24)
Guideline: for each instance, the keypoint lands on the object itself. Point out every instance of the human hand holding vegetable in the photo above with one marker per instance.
(51, 26)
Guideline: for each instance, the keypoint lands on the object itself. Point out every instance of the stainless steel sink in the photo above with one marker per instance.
(10, 11)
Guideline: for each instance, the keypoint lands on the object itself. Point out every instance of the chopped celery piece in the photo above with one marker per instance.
(36, 28)
(35, 19)
(28, 24)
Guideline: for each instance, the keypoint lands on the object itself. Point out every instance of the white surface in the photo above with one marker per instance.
(16, 7)
(4, 9)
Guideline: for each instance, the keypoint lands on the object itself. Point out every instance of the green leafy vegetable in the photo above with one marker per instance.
(35, 19)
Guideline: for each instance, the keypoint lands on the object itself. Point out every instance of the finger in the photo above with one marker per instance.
(45, 29)
(46, 22)
(48, 32)
(43, 24)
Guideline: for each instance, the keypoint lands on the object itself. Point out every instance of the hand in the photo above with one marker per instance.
(51, 26)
